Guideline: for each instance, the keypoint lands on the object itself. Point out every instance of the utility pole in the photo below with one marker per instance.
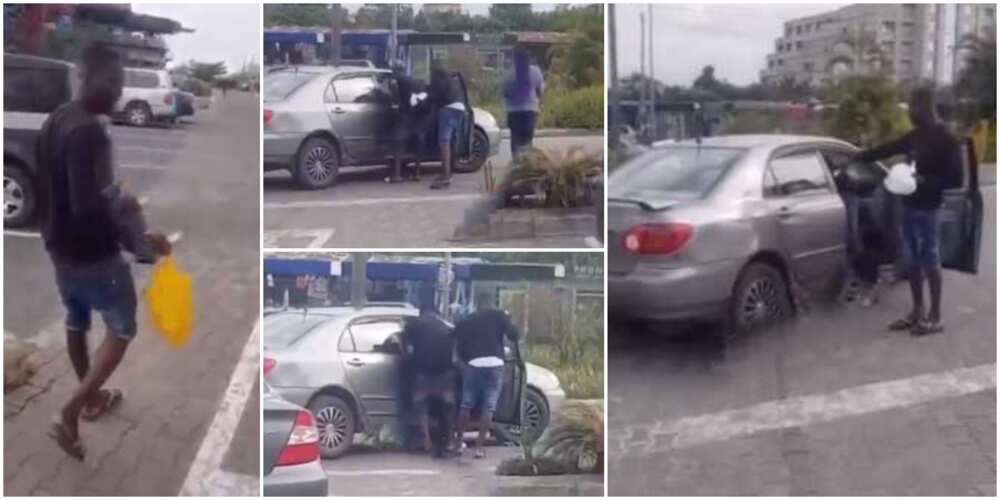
(642, 73)
(613, 92)
(652, 79)
(394, 38)
(359, 279)
(336, 26)
(444, 287)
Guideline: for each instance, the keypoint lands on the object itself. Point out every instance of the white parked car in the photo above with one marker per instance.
(148, 98)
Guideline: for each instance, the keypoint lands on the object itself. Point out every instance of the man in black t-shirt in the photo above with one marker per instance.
(429, 347)
(413, 122)
(83, 230)
(938, 156)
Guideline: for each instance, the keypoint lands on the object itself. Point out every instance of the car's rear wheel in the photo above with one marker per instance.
(317, 164)
(760, 298)
(18, 197)
(335, 421)
(478, 154)
(138, 114)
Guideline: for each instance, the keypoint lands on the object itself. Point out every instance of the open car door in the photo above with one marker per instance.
(962, 217)
(508, 410)
(463, 148)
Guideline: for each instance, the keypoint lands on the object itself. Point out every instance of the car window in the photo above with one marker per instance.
(796, 174)
(141, 79)
(280, 85)
(380, 336)
(346, 343)
(284, 329)
(34, 90)
(682, 172)
(354, 89)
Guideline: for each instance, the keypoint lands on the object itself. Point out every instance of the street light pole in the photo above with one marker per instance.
(652, 78)
(359, 279)
(642, 71)
(613, 87)
(394, 39)
(336, 20)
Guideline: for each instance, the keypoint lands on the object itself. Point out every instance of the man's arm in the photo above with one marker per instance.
(512, 331)
(900, 146)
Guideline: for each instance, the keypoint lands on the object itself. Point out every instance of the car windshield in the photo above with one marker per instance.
(281, 84)
(675, 172)
(285, 329)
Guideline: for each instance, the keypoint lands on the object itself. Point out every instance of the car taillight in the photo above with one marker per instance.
(268, 114)
(168, 99)
(656, 238)
(269, 363)
(303, 442)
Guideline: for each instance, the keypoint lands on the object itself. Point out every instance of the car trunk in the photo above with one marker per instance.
(279, 419)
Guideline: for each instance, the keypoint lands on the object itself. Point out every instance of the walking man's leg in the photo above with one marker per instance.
(930, 261)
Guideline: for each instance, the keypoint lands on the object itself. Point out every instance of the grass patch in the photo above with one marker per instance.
(576, 355)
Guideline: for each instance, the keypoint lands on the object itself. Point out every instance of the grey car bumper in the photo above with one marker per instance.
(297, 481)
(280, 149)
(688, 293)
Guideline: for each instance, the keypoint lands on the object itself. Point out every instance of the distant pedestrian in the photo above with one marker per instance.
(86, 220)
(447, 96)
(479, 343)
(428, 348)
(938, 156)
(522, 87)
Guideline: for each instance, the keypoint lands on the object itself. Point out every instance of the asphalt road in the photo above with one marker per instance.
(200, 184)
(830, 404)
(361, 210)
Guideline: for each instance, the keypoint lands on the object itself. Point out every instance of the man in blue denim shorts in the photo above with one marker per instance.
(938, 156)
(446, 95)
(479, 343)
(83, 229)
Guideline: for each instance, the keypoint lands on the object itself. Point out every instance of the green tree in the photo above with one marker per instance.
(514, 16)
(976, 87)
(206, 72)
(379, 16)
(296, 15)
(867, 110)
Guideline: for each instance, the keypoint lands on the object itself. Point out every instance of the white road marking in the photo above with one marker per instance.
(369, 201)
(317, 237)
(142, 166)
(383, 472)
(203, 478)
(817, 408)
(22, 234)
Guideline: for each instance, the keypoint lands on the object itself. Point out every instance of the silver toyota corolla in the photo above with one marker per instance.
(320, 118)
(722, 230)
(343, 365)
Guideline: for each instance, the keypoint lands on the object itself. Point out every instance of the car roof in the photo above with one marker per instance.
(750, 141)
(378, 309)
(34, 61)
(329, 70)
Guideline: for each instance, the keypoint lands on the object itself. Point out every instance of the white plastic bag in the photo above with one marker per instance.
(901, 180)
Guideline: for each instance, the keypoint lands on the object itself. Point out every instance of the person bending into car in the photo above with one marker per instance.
(428, 346)
(445, 94)
(86, 221)
(413, 121)
(938, 156)
(479, 344)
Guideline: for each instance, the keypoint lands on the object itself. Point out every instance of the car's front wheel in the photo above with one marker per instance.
(336, 422)
(18, 196)
(760, 298)
(534, 421)
(478, 153)
(138, 114)
(316, 164)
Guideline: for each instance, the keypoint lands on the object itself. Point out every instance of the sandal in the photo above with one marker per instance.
(58, 432)
(111, 398)
(927, 328)
(480, 454)
(901, 324)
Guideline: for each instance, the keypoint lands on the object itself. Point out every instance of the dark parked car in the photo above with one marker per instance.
(291, 450)
(722, 229)
(33, 87)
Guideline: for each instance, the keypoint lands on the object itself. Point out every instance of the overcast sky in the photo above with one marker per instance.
(223, 32)
(733, 38)
(475, 9)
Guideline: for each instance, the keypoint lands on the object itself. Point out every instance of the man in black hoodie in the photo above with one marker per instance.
(479, 343)
(83, 230)
(413, 121)
(938, 156)
(429, 347)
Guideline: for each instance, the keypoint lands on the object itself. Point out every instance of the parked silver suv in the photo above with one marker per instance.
(320, 118)
(33, 87)
(147, 98)
(343, 365)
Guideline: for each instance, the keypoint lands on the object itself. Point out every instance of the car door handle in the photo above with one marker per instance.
(339, 111)
(355, 362)
(785, 212)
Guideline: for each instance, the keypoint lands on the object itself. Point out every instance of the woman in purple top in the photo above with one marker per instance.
(522, 88)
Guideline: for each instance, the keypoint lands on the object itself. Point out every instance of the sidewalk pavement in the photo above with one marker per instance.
(558, 132)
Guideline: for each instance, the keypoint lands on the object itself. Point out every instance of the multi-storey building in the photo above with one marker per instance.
(911, 42)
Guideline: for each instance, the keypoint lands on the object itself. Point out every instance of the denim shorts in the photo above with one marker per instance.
(482, 386)
(921, 235)
(105, 287)
(451, 122)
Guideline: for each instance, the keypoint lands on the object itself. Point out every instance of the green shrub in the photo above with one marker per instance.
(576, 356)
(580, 108)
(199, 88)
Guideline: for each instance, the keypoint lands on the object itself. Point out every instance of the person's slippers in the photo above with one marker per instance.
(440, 183)
(110, 399)
(927, 328)
(480, 454)
(60, 434)
(901, 324)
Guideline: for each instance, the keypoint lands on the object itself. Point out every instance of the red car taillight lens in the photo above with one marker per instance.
(303, 442)
(268, 114)
(269, 363)
(168, 99)
(656, 238)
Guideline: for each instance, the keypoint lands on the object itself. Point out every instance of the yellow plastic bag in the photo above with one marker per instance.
(170, 302)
